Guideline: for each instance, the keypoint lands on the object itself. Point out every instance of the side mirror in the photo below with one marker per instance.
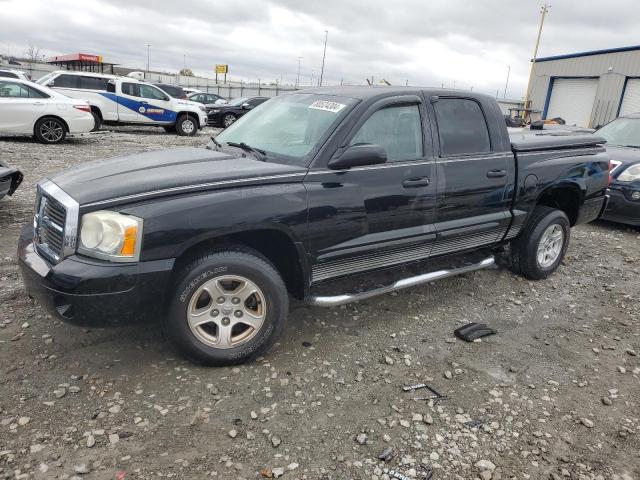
(358, 156)
(246, 106)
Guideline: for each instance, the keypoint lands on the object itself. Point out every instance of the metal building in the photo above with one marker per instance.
(588, 89)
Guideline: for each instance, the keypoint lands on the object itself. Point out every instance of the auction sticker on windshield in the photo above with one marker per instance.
(327, 106)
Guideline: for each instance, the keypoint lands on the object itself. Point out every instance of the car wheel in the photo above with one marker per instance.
(541, 247)
(228, 119)
(97, 122)
(186, 126)
(50, 130)
(227, 308)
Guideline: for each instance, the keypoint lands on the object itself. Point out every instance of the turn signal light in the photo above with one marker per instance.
(129, 244)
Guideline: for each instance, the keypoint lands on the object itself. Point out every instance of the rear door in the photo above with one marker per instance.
(20, 107)
(473, 202)
(375, 216)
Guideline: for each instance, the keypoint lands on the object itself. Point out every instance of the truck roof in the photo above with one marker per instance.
(363, 92)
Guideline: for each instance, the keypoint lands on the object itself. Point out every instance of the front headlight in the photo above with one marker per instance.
(202, 107)
(631, 174)
(111, 236)
(215, 110)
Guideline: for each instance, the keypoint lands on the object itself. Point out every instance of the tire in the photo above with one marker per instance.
(170, 129)
(535, 254)
(186, 125)
(228, 120)
(97, 121)
(216, 335)
(50, 130)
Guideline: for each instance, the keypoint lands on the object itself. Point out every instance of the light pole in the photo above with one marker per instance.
(543, 11)
(148, 47)
(324, 55)
(298, 78)
(506, 85)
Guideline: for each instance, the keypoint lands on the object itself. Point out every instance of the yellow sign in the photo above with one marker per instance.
(222, 68)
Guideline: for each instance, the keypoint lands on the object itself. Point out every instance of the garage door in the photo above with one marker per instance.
(631, 99)
(572, 99)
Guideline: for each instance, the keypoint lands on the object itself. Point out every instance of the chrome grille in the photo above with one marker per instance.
(55, 222)
(49, 227)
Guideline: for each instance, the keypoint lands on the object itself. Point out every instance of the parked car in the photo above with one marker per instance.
(174, 91)
(623, 146)
(319, 186)
(128, 101)
(189, 91)
(10, 180)
(209, 100)
(27, 108)
(225, 115)
(11, 73)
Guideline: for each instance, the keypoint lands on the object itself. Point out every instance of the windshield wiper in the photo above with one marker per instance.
(248, 148)
(215, 142)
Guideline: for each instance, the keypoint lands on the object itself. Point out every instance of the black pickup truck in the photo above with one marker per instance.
(304, 197)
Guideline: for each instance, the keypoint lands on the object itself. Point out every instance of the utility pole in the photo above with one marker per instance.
(543, 13)
(324, 55)
(148, 47)
(184, 61)
(298, 78)
(507, 84)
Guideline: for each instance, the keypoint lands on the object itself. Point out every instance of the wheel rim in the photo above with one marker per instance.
(550, 246)
(226, 311)
(188, 126)
(51, 131)
(228, 120)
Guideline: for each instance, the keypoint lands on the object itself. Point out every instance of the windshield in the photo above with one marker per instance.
(623, 131)
(238, 101)
(290, 126)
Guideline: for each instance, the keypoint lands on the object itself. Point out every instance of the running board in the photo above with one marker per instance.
(336, 300)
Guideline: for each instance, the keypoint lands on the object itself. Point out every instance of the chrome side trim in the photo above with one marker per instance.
(71, 220)
(336, 300)
(188, 188)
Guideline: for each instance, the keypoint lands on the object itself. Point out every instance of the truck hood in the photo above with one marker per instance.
(167, 172)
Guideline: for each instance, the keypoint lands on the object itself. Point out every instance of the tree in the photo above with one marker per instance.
(186, 72)
(33, 53)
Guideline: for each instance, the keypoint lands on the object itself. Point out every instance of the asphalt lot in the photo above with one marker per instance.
(557, 390)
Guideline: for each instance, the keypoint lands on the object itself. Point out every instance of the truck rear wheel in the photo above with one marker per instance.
(541, 247)
(186, 125)
(227, 308)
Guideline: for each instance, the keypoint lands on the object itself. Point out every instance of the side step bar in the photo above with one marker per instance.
(400, 284)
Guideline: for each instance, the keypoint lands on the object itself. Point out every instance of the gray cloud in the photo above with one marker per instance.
(424, 42)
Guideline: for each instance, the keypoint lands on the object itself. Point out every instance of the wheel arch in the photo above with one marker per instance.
(194, 115)
(565, 196)
(276, 245)
(95, 109)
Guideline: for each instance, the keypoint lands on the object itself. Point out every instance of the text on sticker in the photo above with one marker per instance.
(327, 106)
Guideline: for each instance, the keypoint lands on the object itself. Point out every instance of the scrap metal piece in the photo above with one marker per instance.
(417, 386)
(473, 423)
(398, 475)
(473, 331)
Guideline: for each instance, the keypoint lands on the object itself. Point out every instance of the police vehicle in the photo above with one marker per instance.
(125, 100)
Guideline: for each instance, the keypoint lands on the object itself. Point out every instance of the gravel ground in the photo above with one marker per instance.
(556, 391)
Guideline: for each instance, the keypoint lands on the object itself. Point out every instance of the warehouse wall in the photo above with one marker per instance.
(610, 86)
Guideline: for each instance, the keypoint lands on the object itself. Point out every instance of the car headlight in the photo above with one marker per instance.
(631, 174)
(202, 107)
(215, 110)
(111, 236)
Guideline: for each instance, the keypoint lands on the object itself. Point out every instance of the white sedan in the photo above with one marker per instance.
(27, 108)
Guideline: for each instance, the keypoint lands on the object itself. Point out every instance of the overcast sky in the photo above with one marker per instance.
(424, 42)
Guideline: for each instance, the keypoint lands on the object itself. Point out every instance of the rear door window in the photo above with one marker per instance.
(130, 89)
(8, 75)
(92, 83)
(66, 81)
(462, 127)
(398, 129)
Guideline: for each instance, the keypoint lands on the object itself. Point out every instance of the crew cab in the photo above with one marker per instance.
(124, 100)
(311, 195)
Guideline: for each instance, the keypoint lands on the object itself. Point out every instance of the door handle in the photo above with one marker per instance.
(415, 182)
(496, 173)
(144, 103)
(38, 103)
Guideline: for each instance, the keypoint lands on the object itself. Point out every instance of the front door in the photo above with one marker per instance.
(371, 217)
(473, 205)
(142, 103)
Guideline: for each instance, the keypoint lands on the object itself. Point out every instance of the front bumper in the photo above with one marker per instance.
(88, 292)
(622, 209)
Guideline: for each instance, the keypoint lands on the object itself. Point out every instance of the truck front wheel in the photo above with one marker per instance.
(227, 308)
(541, 247)
(186, 126)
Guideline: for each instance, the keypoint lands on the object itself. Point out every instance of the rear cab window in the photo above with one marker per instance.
(462, 127)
